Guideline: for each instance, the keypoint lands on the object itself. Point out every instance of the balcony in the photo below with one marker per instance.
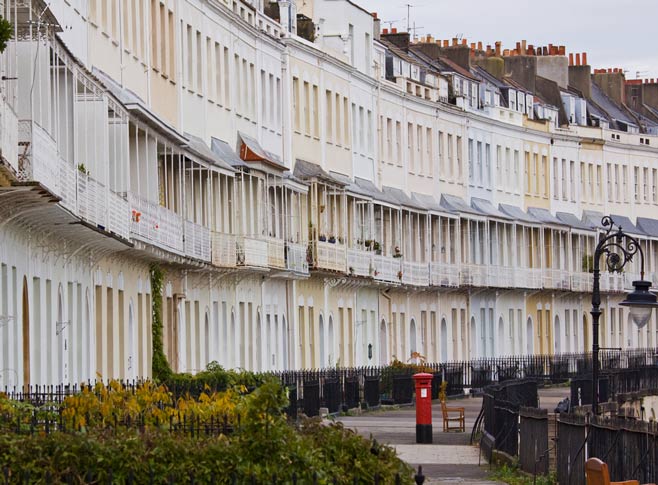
(473, 275)
(41, 162)
(527, 277)
(386, 268)
(296, 259)
(359, 262)
(416, 274)
(9, 134)
(556, 279)
(613, 282)
(197, 241)
(500, 276)
(330, 256)
(276, 253)
(251, 252)
(581, 281)
(223, 250)
(444, 274)
(155, 224)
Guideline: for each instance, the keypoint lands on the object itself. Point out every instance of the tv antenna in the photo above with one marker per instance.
(391, 22)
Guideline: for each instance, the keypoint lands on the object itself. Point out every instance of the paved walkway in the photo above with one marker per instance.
(450, 459)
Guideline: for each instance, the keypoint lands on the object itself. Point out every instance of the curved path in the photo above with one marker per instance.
(450, 459)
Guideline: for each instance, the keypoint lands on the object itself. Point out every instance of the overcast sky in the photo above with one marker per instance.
(614, 33)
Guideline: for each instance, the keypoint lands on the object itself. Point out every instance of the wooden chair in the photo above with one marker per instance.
(597, 473)
(447, 419)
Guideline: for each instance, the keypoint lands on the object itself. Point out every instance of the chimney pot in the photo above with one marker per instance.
(446, 42)
(531, 50)
(506, 52)
(562, 50)
(464, 41)
(479, 46)
(571, 58)
(385, 31)
(394, 30)
(609, 70)
(585, 59)
(430, 38)
(454, 41)
(518, 46)
(523, 46)
(577, 59)
(498, 47)
(374, 14)
(472, 46)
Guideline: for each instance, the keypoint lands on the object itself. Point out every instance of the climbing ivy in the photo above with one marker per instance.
(161, 369)
(6, 33)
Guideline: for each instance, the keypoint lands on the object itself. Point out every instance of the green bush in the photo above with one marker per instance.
(6, 33)
(261, 445)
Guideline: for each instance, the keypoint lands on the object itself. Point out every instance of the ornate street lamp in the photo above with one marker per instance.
(618, 248)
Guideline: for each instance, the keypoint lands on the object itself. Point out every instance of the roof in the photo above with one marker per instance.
(262, 154)
(455, 204)
(306, 170)
(368, 187)
(609, 106)
(487, 208)
(515, 85)
(544, 216)
(427, 201)
(351, 186)
(572, 221)
(593, 219)
(199, 147)
(625, 224)
(402, 198)
(517, 214)
(452, 66)
(648, 226)
(490, 78)
(398, 51)
(224, 151)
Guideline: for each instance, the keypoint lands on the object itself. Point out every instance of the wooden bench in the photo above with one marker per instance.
(597, 473)
(458, 417)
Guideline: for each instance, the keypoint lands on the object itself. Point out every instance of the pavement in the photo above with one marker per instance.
(450, 459)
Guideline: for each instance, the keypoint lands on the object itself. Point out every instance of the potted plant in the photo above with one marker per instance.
(351, 269)
(367, 243)
(332, 239)
(341, 240)
(400, 275)
(376, 247)
(397, 253)
(322, 238)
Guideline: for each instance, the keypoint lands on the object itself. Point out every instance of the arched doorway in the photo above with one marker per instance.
(444, 340)
(631, 332)
(182, 337)
(500, 346)
(330, 340)
(269, 341)
(383, 344)
(206, 340)
(557, 335)
(231, 348)
(26, 335)
(284, 330)
(278, 343)
(473, 340)
(322, 349)
(87, 348)
(130, 364)
(62, 333)
(586, 344)
(530, 337)
(259, 344)
(412, 337)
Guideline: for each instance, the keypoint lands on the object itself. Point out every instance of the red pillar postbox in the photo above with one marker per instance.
(423, 407)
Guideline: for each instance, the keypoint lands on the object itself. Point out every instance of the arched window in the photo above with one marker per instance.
(444, 340)
(323, 362)
(412, 337)
(383, 343)
(557, 335)
(530, 337)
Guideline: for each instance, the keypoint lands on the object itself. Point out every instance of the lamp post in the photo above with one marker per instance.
(618, 248)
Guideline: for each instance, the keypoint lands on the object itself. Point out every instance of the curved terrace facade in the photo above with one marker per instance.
(318, 191)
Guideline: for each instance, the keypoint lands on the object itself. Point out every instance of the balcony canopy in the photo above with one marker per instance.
(226, 153)
(487, 208)
(456, 205)
(429, 202)
(198, 147)
(308, 171)
(626, 225)
(377, 195)
(251, 151)
(593, 219)
(402, 199)
(517, 214)
(648, 226)
(544, 216)
(573, 222)
(351, 186)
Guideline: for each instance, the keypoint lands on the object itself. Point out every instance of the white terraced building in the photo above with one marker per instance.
(317, 191)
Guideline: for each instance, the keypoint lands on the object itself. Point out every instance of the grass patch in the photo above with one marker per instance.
(512, 475)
